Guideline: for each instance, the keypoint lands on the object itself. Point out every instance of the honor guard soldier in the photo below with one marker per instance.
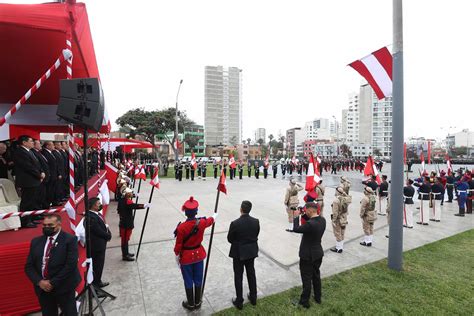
(187, 167)
(470, 194)
(176, 170)
(125, 210)
(241, 169)
(204, 170)
(275, 169)
(198, 166)
(193, 170)
(214, 165)
(320, 190)
(265, 169)
(190, 254)
(424, 191)
(408, 193)
(340, 210)
(345, 184)
(180, 171)
(249, 168)
(462, 186)
(368, 216)
(291, 202)
(450, 186)
(437, 193)
(224, 166)
(257, 170)
(383, 194)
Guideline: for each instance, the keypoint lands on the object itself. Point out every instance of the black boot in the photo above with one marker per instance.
(125, 256)
(197, 297)
(189, 305)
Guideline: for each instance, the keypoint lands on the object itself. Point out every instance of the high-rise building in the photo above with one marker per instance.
(291, 139)
(223, 105)
(381, 126)
(352, 123)
(319, 128)
(260, 133)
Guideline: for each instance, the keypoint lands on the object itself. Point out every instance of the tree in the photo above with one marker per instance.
(377, 152)
(151, 123)
(233, 140)
(191, 140)
(345, 150)
(270, 137)
(248, 141)
(243, 141)
(260, 141)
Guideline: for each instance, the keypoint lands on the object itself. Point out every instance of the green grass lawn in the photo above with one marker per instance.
(438, 279)
(210, 172)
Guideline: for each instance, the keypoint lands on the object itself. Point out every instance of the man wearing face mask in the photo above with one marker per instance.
(52, 268)
(99, 236)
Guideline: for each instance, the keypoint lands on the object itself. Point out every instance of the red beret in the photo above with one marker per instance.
(190, 204)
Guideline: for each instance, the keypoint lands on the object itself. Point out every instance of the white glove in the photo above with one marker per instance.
(135, 194)
(214, 216)
(146, 205)
(107, 226)
(177, 260)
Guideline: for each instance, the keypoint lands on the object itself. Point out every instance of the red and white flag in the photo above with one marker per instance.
(429, 152)
(155, 181)
(371, 169)
(313, 177)
(231, 161)
(140, 172)
(222, 183)
(448, 162)
(422, 158)
(376, 68)
(293, 160)
(193, 161)
(266, 163)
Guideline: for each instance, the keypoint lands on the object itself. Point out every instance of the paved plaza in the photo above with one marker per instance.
(153, 285)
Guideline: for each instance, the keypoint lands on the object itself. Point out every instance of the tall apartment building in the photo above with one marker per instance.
(319, 128)
(352, 123)
(293, 136)
(223, 105)
(260, 133)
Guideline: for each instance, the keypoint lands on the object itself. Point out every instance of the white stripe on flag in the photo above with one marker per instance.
(379, 74)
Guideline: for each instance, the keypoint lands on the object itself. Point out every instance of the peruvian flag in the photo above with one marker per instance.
(313, 177)
(448, 162)
(422, 158)
(177, 144)
(429, 152)
(376, 68)
(293, 160)
(232, 161)
(130, 169)
(222, 183)
(266, 161)
(140, 172)
(371, 170)
(155, 181)
(193, 161)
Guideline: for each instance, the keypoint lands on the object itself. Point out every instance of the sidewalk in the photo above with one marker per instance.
(153, 285)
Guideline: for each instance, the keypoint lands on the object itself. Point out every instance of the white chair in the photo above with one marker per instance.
(10, 192)
(5, 207)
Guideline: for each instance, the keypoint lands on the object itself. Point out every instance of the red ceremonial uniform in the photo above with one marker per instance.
(192, 251)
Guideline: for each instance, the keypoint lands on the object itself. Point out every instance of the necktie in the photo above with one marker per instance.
(101, 217)
(47, 255)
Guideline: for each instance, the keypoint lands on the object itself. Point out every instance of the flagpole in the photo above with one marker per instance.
(144, 222)
(136, 200)
(210, 243)
(395, 243)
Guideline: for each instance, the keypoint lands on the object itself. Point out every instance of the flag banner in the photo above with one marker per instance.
(140, 172)
(422, 158)
(222, 183)
(232, 163)
(104, 192)
(193, 161)
(313, 176)
(376, 68)
(371, 169)
(155, 181)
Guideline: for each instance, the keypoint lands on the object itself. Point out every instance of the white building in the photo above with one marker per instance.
(298, 144)
(319, 128)
(464, 138)
(325, 149)
(360, 150)
(352, 123)
(260, 133)
(223, 105)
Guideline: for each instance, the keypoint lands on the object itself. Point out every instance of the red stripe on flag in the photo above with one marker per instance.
(364, 72)
(384, 57)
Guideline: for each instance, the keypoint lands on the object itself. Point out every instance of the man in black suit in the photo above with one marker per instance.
(51, 186)
(42, 190)
(99, 236)
(28, 177)
(311, 253)
(59, 193)
(52, 268)
(243, 237)
(65, 153)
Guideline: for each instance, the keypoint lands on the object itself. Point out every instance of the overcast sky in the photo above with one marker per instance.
(294, 56)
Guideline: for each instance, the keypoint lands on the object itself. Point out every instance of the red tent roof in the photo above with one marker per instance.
(31, 37)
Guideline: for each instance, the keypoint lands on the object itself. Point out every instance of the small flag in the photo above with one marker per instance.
(222, 183)
(193, 161)
(140, 172)
(448, 162)
(429, 152)
(155, 181)
(293, 160)
(422, 158)
(376, 68)
(104, 193)
(266, 161)
(371, 170)
(313, 177)
(232, 161)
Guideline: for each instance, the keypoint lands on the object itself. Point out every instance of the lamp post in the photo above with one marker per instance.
(337, 134)
(176, 153)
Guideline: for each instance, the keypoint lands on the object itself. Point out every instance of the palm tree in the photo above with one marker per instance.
(248, 141)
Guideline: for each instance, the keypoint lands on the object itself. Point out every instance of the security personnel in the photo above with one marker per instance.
(249, 168)
(241, 169)
(189, 252)
(450, 186)
(125, 210)
(275, 169)
(257, 170)
(383, 194)
(320, 189)
(408, 193)
(368, 216)
(214, 164)
(345, 184)
(424, 190)
(437, 193)
(187, 167)
(339, 214)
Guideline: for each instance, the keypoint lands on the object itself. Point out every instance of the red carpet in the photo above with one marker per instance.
(17, 296)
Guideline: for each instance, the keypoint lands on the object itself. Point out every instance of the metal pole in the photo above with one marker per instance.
(176, 119)
(395, 244)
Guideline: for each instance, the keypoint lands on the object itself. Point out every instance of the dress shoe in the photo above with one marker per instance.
(405, 226)
(317, 300)
(252, 301)
(128, 259)
(131, 255)
(410, 227)
(237, 305)
(432, 220)
(458, 214)
(437, 220)
(368, 244)
(103, 284)
(305, 305)
(334, 249)
(101, 294)
(289, 230)
(425, 224)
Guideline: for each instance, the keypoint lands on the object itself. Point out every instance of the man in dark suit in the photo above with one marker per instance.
(243, 237)
(311, 253)
(47, 152)
(28, 177)
(42, 190)
(65, 153)
(59, 193)
(99, 236)
(52, 268)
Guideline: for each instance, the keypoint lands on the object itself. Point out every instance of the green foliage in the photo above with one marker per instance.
(191, 140)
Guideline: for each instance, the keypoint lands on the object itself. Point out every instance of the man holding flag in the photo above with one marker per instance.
(193, 165)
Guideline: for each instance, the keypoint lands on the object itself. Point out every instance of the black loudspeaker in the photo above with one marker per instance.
(82, 102)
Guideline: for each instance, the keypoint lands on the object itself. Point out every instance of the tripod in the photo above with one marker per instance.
(89, 293)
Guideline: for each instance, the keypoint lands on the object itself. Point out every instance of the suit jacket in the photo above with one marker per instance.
(60, 163)
(99, 233)
(243, 236)
(62, 267)
(27, 169)
(43, 162)
(312, 230)
(52, 164)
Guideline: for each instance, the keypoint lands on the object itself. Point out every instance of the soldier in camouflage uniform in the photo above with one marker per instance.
(339, 214)
(368, 216)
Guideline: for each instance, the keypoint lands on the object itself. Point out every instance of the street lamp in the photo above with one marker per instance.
(176, 153)
(337, 135)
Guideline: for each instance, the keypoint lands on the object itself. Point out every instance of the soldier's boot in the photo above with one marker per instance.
(197, 297)
(337, 248)
(125, 254)
(367, 241)
(189, 304)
